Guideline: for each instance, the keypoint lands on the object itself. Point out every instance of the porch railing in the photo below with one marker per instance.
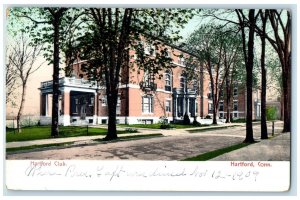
(70, 81)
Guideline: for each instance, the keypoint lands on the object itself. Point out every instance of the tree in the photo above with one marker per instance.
(282, 45)
(248, 46)
(49, 26)
(215, 47)
(280, 39)
(10, 78)
(110, 36)
(264, 130)
(23, 58)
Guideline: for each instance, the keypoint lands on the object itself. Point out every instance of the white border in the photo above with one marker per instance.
(232, 3)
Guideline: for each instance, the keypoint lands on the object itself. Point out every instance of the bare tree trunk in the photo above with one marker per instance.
(282, 46)
(264, 130)
(112, 98)
(228, 99)
(215, 107)
(21, 108)
(54, 127)
(287, 100)
(212, 92)
(249, 68)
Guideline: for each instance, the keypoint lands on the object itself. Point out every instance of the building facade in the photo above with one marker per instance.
(143, 97)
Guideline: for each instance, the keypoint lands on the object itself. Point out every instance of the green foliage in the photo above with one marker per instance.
(44, 132)
(109, 43)
(37, 23)
(271, 113)
(186, 119)
(213, 154)
(195, 122)
(166, 126)
(163, 120)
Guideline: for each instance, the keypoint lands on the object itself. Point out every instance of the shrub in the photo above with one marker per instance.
(208, 117)
(271, 113)
(241, 120)
(163, 120)
(195, 122)
(186, 120)
(166, 126)
(131, 130)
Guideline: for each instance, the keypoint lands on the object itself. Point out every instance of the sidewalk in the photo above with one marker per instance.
(88, 139)
(80, 139)
(274, 149)
(178, 145)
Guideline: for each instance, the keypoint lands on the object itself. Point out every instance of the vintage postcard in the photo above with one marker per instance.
(148, 99)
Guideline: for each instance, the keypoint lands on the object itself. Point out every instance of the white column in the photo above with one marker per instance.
(46, 105)
(184, 105)
(175, 107)
(95, 109)
(188, 107)
(66, 102)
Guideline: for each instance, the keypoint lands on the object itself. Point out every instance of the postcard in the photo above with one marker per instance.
(148, 99)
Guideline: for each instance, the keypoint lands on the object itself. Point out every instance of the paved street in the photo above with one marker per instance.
(176, 145)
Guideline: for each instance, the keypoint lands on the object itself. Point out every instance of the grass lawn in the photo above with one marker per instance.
(213, 154)
(44, 132)
(210, 129)
(157, 126)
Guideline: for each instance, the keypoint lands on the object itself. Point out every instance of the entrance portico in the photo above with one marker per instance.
(77, 102)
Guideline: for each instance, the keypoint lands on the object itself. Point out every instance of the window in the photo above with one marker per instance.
(235, 115)
(104, 100)
(168, 106)
(183, 80)
(258, 110)
(168, 54)
(210, 107)
(221, 115)
(221, 93)
(221, 106)
(118, 110)
(181, 60)
(235, 91)
(235, 106)
(76, 105)
(195, 85)
(92, 101)
(147, 104)
(168, 81)
(150, 49)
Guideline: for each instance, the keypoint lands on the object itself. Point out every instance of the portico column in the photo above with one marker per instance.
(175, 107)
(66, 101)
(42, 104)
(46, 104)
(184, 105)
(95, 117)
(188, 106)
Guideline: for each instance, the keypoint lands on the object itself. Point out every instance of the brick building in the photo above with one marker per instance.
(143, 98)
